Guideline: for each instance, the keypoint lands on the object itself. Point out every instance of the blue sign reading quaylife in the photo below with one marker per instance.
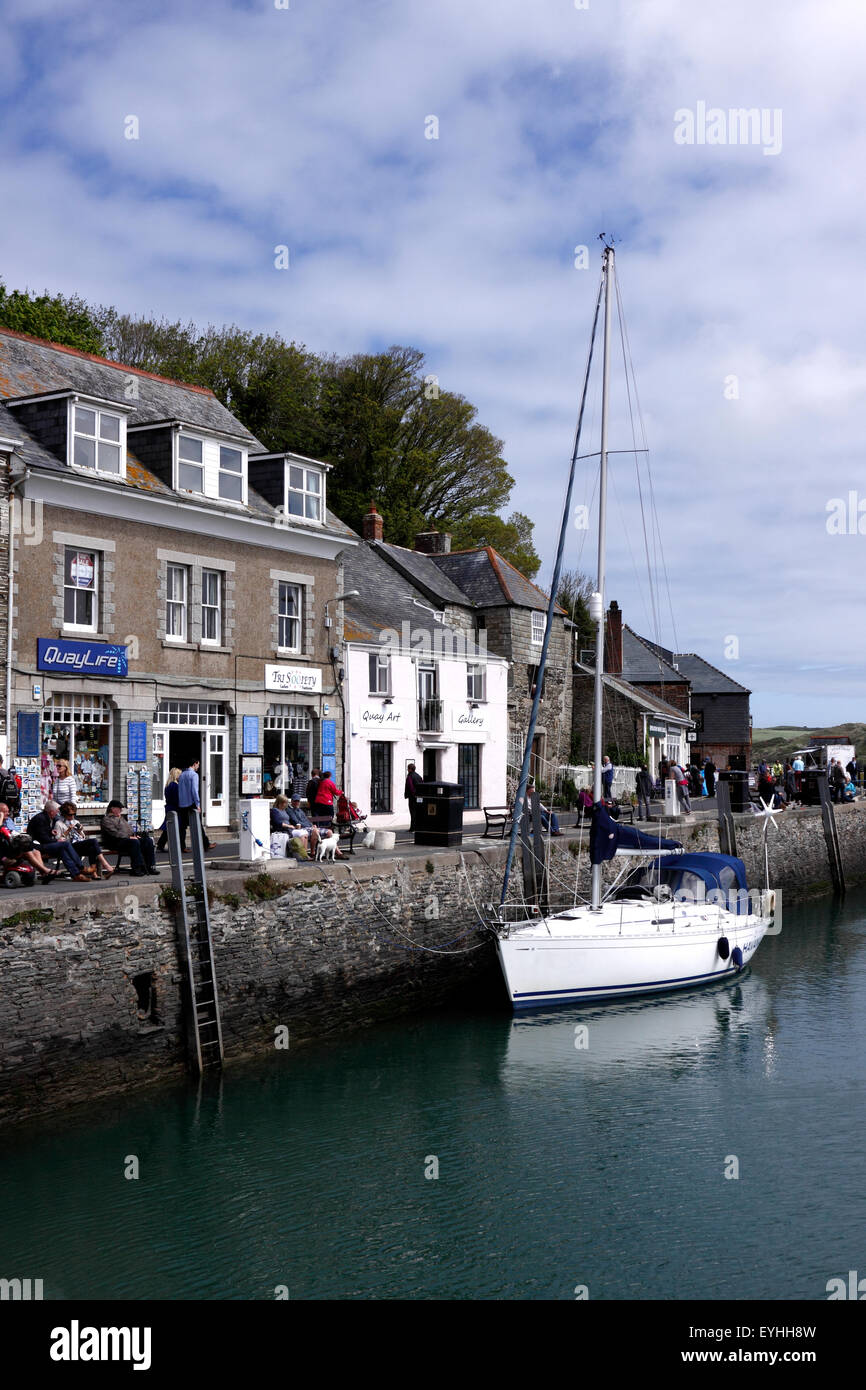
(81, 658)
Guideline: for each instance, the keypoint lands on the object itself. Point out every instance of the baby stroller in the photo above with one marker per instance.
(349, 820)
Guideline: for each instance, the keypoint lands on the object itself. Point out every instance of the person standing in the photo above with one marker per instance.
(710, 776)
(326, 794)
(64, 784)
(678, 776)
(10, 789)
(837, 779)
(171, 804)
(189, 802)
(799, 768)
(311, 789)
(410, 791)
(664, 771)
(644, 785)
(607, 772)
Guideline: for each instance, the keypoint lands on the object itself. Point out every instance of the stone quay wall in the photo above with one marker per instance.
(92, 985)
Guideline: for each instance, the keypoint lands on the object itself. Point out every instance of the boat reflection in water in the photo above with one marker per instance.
(674, 1031)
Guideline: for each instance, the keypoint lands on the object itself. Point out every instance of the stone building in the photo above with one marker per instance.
(482, 592)
(699, 711)
(175, 587)
(419, 687)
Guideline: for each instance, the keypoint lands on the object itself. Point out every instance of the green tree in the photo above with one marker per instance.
(573, 594)
(59, 318)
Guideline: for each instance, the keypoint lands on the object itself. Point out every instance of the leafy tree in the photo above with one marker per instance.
(511, 537)
(421, 455)
(573, 594)
(58, 318)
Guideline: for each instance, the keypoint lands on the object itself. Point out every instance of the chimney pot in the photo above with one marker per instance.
(433, 543)
(373, 526)
(613, 640)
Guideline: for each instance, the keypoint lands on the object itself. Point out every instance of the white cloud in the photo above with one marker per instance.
(306, 126)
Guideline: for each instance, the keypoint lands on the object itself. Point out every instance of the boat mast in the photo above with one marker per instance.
(607, 271)
(551, 610)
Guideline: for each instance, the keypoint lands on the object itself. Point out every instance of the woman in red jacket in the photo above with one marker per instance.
(326, 794)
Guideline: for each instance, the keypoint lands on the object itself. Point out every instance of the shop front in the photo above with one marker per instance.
(77, 730)
(187, 731)
(288, 749)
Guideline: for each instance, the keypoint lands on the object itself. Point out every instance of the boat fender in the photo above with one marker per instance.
(737, 958)
(723, 948)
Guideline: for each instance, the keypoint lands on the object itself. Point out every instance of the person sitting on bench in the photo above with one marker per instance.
(117, 835)
(549, 820)
(41, 828)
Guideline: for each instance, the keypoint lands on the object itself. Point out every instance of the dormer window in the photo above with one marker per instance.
(210, 467)
(231, 481)
(190, 464)
(97, 439)
(304, 493)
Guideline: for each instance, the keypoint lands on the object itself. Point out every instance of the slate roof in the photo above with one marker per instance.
(423, 571)
(490, 580)
(385, 599)
(30, 366)
(638, 697)
(641, 661)
(705, 678)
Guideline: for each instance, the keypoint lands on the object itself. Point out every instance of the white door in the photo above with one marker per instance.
(215, 793)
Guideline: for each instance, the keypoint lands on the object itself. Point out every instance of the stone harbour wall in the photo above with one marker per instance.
(92, 986)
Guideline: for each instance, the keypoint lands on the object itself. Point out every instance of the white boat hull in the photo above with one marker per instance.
(622, 951)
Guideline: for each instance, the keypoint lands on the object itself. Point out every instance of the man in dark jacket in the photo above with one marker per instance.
(644, 792)
(410, 791)
(311, 788)
(710, 776)
(41, 828)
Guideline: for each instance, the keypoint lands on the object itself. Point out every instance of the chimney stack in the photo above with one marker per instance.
(433, 543)
(613, 640)
(373, 525)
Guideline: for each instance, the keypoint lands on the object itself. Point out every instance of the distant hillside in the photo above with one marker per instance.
(781, 742)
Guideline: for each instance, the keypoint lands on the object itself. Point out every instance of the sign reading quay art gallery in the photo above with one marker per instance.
(289, 680)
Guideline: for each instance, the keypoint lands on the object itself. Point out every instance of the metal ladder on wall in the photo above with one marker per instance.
(202, 997)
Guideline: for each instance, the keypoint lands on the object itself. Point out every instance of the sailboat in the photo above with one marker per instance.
(678, 919)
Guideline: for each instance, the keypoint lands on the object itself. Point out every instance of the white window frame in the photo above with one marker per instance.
(190, 463)
(233, 473)
(73, 433)
(476, 674)
(290, 618)
(305, 492)
(212, 608)
(379, 673)
(97, 576)
(183, 603)
(538, 627)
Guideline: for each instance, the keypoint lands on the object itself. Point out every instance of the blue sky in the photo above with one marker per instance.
(261, 126)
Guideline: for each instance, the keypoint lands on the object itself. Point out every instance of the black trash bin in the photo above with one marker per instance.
(739, 784)
(439, 814)
(811, 792)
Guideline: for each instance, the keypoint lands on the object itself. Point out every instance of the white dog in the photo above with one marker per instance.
(327, 847)
(369, 840)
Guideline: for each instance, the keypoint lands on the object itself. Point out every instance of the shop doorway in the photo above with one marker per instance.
(430, 770)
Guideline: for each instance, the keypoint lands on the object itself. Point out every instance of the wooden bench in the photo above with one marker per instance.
(497, 818)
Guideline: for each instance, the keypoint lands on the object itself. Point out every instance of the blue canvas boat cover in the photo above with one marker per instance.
(606, 836)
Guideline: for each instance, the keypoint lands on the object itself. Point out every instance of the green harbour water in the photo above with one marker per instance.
(559, 1165)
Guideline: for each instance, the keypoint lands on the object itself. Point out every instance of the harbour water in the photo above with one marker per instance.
(602, 1159)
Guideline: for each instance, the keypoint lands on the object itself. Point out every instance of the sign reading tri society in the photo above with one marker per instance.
(81, 658)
